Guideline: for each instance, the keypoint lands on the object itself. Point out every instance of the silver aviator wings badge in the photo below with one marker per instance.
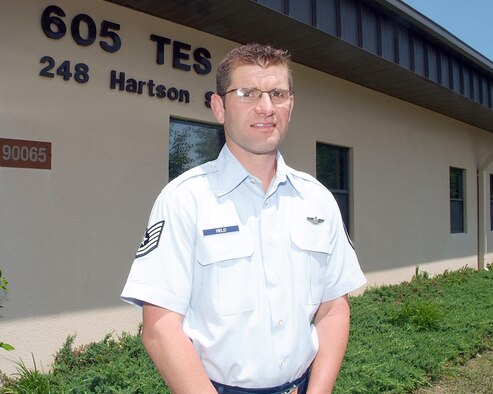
(315, 220)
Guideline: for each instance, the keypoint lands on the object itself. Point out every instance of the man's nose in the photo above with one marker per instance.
(265, 104)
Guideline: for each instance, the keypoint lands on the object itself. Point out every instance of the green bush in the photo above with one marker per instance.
(28, 382)
(112, 365)
(402, 337)
(408, 335)
(423, 315)
(3, 290)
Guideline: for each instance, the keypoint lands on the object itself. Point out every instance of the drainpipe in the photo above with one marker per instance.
(483, 203)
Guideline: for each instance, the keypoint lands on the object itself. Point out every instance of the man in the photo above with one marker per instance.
(245, 268)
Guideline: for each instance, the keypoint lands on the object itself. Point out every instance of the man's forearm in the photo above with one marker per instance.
(332, 325)
(173, 353)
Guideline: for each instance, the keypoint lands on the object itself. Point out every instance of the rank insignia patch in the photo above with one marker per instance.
(151, 239)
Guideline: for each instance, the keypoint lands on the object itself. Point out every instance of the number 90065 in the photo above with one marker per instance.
(27, 154)
(23, 153)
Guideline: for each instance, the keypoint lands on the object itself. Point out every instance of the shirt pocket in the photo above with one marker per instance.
(226, 271)
(310, 253)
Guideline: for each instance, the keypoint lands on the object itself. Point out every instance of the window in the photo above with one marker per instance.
(491, 202)
(456, 200)
(191, 144)
(333, 173)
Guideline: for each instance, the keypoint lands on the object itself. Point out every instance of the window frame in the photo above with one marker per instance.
(457, 200)
(343, 179)
(491, 202)
(190, 145)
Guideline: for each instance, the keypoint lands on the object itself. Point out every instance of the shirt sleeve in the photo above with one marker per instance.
(344, 273)
(161, 273)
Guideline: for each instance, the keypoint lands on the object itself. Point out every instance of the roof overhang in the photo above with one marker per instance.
(246, 21)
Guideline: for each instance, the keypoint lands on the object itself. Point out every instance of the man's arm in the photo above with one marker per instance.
(173, 353)
(332, 325)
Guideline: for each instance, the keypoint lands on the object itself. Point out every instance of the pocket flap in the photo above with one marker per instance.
(311, 239)
(226, 246)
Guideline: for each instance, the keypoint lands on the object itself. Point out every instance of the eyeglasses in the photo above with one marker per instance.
(253, 95)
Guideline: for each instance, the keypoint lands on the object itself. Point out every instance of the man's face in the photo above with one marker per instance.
(254, 128)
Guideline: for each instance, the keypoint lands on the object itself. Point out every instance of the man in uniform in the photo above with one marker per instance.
(245, 268)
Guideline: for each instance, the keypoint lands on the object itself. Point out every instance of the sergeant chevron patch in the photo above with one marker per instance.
(151, 239)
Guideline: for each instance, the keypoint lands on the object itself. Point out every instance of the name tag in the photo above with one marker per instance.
(220, 230)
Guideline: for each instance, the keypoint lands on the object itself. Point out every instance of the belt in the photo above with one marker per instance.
(301, 384)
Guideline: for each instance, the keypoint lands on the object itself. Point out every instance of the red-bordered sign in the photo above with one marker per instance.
(25, 154)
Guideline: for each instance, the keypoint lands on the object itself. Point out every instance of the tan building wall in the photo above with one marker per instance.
(401, 155)
(68, 235)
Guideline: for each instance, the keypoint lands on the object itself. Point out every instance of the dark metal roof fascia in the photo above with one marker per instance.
(433, 29)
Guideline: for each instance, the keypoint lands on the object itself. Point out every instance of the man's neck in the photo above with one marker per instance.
(264, 168)
(261, 166)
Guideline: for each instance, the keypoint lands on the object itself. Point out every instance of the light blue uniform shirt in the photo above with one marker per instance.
(247, 269)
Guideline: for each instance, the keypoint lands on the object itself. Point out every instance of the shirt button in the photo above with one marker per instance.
(283, 364)
(252, 180)
(280, 323)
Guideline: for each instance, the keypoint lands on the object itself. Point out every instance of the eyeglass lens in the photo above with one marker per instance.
(254, 94)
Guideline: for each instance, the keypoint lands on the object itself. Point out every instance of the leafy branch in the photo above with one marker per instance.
(3, 290)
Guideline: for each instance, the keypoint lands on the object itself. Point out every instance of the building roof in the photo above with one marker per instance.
(381, 44)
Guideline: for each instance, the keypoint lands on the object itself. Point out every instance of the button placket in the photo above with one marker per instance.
(271, 231)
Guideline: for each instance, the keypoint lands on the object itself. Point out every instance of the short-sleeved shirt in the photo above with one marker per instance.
(247, 269)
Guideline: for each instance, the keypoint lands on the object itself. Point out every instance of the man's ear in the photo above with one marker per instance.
(291, 106)
(217, 106)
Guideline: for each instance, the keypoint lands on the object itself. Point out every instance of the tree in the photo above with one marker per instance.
(210, 140)
(179, 161)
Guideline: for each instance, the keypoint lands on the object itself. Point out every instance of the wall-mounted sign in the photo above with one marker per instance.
(25, 154)
(86, 31)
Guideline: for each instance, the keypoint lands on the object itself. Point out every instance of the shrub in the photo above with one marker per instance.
(3, 291)
(424, 315)
(402, 337)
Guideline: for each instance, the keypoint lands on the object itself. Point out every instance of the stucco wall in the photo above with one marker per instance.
(401, 155)
(68, 235)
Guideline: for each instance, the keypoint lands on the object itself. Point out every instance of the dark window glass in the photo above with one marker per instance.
(456, 200)
(191, 144)
(333, 173)
(491, 202)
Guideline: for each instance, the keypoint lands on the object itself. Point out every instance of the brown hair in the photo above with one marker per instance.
(261, 55)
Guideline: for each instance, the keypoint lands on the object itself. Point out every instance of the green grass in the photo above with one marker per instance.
(402, 337)
(409, 335)
(111, 366)
(475, 377)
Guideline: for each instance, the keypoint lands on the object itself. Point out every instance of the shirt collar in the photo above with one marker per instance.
(284, 172)
(231, 172)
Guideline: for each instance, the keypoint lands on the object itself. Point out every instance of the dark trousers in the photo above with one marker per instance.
(301, 383)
